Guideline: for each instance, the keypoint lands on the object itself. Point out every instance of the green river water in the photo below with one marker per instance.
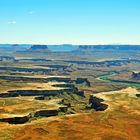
(105, 78)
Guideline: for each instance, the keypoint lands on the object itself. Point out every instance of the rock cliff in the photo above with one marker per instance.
(38, 48)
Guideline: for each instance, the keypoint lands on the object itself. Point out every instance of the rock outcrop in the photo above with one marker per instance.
(37, 114)
(136, 75)
(83, 81)
(15, 120)
(38, 48)
(138, 95)
(97, 104)
(46, 113)
(107, 63)
(17, 69)
(16, 93)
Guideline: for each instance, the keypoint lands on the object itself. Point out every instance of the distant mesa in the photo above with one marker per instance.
(107, 47)
(15, 46)
(85, 47)
(39, 48)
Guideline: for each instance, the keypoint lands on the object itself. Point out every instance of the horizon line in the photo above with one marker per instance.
(67, 44)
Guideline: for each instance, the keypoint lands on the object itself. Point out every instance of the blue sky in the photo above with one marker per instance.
(70, 21)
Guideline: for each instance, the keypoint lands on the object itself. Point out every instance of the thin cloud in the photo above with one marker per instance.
(12, 22)
(31, 12)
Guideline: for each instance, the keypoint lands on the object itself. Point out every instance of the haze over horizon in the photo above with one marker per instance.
(70, 22)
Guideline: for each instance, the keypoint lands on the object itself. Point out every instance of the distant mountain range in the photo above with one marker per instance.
(28, 47)
(108, 47)
(66, 47)
(13, 47)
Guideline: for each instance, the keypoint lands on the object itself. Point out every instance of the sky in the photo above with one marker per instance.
(70, 21)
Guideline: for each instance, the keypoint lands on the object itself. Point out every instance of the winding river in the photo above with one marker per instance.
(105, 78)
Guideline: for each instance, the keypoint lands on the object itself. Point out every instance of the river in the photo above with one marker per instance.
(105, 78)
